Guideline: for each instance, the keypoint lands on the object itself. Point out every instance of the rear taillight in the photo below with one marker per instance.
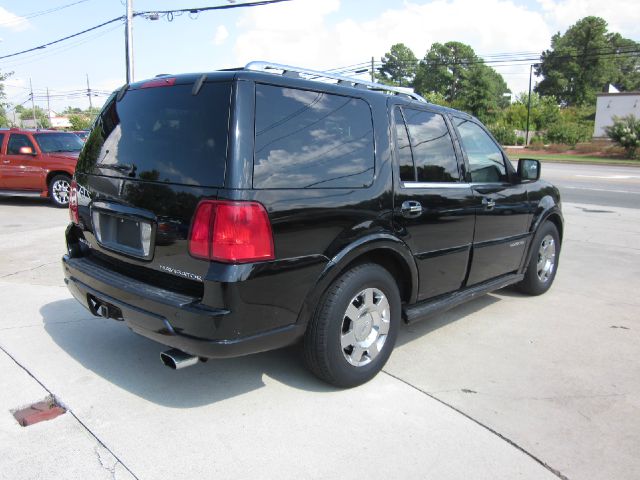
(231, 232)
(73, 203)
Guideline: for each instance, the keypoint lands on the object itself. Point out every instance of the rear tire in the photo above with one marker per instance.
(355, 327)
(543, 264)
(59, 188)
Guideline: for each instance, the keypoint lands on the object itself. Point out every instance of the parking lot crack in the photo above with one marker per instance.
(73, 414)
(554, 471)
(27, 269)
(111, 468)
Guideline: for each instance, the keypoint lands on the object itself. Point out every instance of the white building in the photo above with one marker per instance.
(614, 104)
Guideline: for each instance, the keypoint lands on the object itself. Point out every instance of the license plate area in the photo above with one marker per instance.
(122, 233)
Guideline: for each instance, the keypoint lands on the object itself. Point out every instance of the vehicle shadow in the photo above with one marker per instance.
(132, 362)
(431, 323)
(26, 201)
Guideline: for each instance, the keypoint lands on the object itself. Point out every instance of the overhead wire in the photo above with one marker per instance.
(21, 18)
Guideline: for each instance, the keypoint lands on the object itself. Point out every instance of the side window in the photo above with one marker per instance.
(307, 139)
(1, 141)
(432, 147)
(405, 159)
(486, 162)
(16, 141)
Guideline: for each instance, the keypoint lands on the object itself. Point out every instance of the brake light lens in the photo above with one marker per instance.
(73, 203)
(231, 232)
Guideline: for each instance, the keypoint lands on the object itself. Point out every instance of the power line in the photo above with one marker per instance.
(45, 45)
(21, 18)
(206, 9)
(160, 12)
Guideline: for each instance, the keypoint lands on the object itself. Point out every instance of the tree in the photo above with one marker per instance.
(4, 121)
(482, 92)
(70, 110)
(454, 71)
(443, 69)
(41, 116)
(398, 66)
(544, 112)
(586, 58)
(80, 122)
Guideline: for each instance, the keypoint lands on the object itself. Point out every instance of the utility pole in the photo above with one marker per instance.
(33, 106)
(48, 108)
(526, 137)
(373, 77)
(89, 95)
(128, 41)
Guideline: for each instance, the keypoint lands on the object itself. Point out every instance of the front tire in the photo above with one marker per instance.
(543, 264)
(355, 327)
(59, 188)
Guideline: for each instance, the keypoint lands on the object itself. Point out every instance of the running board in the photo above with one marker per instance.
(424, 309)
(19, 193)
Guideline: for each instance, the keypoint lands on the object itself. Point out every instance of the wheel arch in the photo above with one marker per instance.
(382, 249)
(53, 173)
(549, 211)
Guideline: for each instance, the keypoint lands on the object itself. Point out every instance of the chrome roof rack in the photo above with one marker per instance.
(289, 70)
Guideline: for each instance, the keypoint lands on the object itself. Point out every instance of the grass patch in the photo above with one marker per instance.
(569, 158)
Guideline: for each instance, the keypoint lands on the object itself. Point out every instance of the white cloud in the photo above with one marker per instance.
(623, 16)
(12, 21)
(290, 34)
(221, 35)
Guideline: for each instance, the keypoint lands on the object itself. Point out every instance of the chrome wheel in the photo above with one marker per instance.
(60, 191)
(546, 258)
(365, 327)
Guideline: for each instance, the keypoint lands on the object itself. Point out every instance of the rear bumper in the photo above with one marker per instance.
(170, 318)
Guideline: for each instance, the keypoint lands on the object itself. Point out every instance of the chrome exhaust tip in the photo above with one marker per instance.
(176, 359)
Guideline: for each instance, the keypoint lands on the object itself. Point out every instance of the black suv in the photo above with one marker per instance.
(245, 210)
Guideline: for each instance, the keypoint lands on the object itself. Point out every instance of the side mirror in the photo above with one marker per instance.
(528, 169)
(26, 151)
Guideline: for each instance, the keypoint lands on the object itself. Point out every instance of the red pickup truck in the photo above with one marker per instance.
(38, 163)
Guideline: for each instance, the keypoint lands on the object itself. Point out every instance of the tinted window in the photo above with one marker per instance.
(405, 160)
(58, 142)
(163, 134)
(1, 139)
(432, 147)
(17, 141)
(486, 162)
(311, 140)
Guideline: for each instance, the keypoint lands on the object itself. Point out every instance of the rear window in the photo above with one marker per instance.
(163, 134)
(307, 139)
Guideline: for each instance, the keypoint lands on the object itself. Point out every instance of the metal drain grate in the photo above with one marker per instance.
(47, 409)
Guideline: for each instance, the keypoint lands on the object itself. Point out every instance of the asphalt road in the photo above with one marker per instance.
(608, 186)
(504, 387)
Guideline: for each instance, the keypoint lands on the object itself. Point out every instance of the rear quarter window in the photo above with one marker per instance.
(307, 139)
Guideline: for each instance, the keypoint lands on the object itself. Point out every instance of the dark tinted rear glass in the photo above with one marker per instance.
(308, 139)
(432, 147)
(163, 134)
(405, 160)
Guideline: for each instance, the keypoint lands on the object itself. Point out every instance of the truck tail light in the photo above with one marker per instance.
(231, 232)
(73, 203)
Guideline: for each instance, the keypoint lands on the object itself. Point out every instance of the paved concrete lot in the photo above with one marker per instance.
(504, 387)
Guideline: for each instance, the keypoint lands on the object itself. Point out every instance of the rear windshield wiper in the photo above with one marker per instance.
(126, 168)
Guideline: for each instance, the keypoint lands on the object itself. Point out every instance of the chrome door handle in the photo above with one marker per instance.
(488, 203)
(411, 209)
(5, 161)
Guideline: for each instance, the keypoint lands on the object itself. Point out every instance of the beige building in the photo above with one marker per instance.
(614, 104)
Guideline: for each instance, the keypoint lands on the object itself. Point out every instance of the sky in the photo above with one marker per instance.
(317, 34)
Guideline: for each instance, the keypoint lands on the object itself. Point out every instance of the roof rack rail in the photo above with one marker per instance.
(289, 70)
